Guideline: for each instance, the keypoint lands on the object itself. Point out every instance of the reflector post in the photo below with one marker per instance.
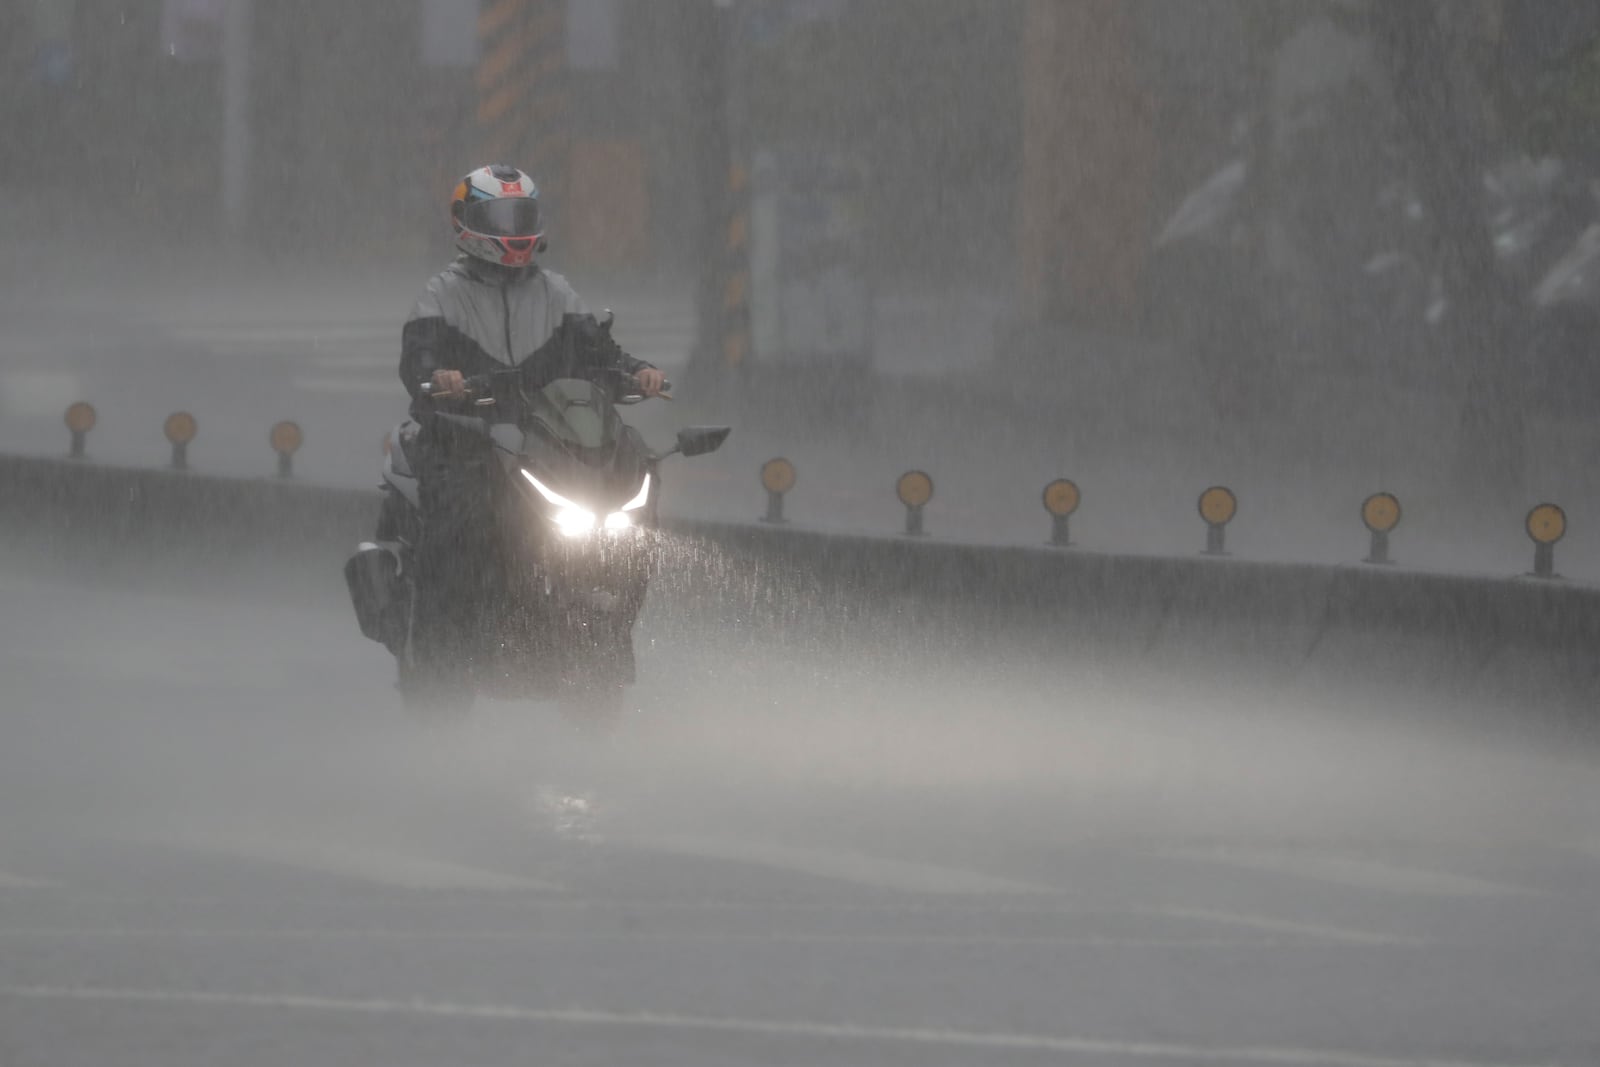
(286, 439)
(80, 419)
(915, 489)
(1218, 506)
(1061, 500)
(1380, 512)
(1378, 552)
(180, 429)
(777, 478)
(1546, 524)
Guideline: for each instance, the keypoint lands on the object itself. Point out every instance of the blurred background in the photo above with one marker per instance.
(1315, 247)
(875, 799)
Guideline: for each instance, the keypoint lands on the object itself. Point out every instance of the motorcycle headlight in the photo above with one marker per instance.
(621, 520)
(641, 499)
(570, 519)
(574, 522)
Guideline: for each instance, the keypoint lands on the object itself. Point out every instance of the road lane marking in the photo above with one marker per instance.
(390, 869)
(40, 933)
(317, 383)
(975, 1039)
(386, 362)
(872, 871)
(26, 393)
(12, 881)
(1284, 926)
(1360, 874)
(295, 335)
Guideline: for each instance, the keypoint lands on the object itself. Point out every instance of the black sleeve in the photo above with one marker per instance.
(601, 349)
(431, 344)
(421, 344)
(579, 347)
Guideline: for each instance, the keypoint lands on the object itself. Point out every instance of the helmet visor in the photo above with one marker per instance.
(509, 216)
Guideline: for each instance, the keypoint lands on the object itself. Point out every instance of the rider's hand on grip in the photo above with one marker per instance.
(651, 381)
(447, 385)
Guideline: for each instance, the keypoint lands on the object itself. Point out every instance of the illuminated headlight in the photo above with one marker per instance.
(641, 498)
(574, 522)
(621, 520)
(570, 518)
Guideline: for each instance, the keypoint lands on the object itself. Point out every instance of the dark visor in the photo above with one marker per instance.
(511, 216)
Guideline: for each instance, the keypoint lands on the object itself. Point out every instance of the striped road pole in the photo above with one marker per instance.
(736, 270)
(522, 87)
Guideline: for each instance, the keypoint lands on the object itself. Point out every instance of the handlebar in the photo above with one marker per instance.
(476, 383)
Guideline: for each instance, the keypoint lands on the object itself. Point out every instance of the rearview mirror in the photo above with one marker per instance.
(698, 440)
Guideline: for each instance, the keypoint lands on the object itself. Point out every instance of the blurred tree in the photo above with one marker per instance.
(1439, 59)
(1559, 114)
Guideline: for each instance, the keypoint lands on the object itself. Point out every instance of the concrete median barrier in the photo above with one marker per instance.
(1525, 642)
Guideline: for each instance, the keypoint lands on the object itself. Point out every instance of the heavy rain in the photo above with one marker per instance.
(799, 532)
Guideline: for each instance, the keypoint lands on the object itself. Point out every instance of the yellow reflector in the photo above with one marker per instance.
(286, 438)
(180, 428)
(1218, 505)
(777, 475)
(914, 489)
(1547, 524)
(80, 417)
(1061, 497)
(1381, 512)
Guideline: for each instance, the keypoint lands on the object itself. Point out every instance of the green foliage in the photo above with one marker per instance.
(1561, 116)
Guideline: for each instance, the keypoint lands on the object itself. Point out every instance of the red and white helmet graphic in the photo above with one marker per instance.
(495, 212)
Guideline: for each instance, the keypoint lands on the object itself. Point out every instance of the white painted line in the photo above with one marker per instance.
(273, 335)
(66, 933)
(319, 383)
(1284, 926)
(386, 361)
(25, 393)
(390, 869)
(872, 871)
(976, 1039)
(12, 881)
(1360, 874)
(1591, 849)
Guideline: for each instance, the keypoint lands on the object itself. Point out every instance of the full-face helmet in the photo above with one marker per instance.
(495, 212)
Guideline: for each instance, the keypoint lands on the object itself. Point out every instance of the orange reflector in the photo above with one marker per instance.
(1547, 524)
(80, 417)
(1218, 505)
(914, 489)
(1381, 512)
(286, 438)
(777, 475)
(1061, 497)
(180, 428)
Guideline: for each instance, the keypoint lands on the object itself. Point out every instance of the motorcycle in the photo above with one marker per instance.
(551, 609)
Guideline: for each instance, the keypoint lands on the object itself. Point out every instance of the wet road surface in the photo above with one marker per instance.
(220, 841)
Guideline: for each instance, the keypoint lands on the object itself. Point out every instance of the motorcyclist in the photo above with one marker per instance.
(494, 307)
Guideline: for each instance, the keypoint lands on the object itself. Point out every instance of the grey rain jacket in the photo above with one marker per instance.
(477, 318)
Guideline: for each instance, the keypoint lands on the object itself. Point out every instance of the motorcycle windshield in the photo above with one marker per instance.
(576, 413)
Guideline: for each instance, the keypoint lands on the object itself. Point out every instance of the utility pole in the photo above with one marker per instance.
(1088, 164)
(722, 176)
(521, 78)
(237, 39)
(1435, 55)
